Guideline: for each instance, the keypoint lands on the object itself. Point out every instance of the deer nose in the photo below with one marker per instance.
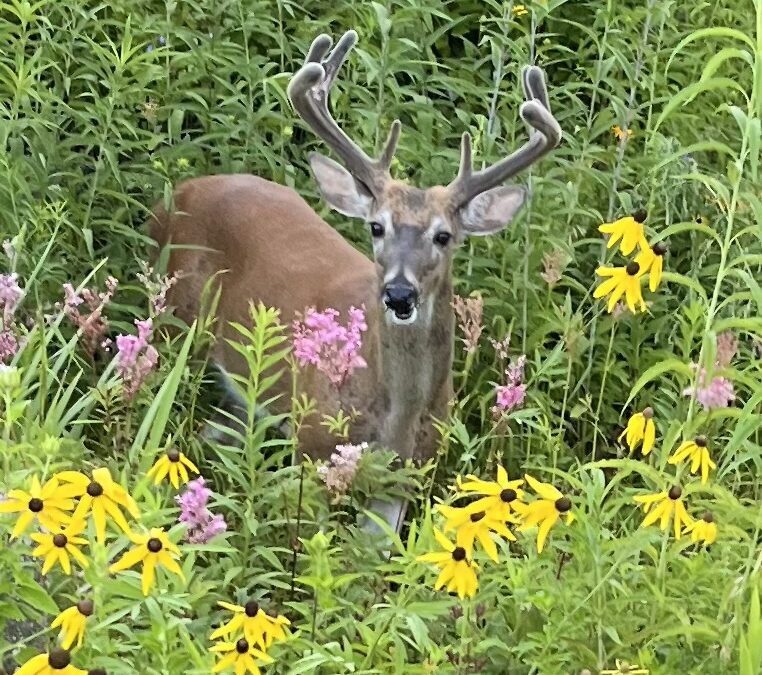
(400, 298)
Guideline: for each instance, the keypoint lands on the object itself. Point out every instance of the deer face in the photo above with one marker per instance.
(414, 233)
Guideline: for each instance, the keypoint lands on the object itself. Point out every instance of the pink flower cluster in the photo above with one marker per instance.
(10, 296)
(319, 339)
(339, 474)
(136, 357)
(512, 394)
(202, 525)
(718, 393)
(157, 287)
(93, 324)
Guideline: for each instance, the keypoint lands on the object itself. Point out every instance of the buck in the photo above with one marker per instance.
(271, 247)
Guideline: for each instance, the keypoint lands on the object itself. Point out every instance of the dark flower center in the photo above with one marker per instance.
(458, 554)
(173, 455)
(563, 504)
(675, 492)
(708, 517)
(640, 216)
(60, 541)
(659, 248)
(648, 413)
(476, 517)
(700, 441)
(632, 268)
(154, 545)
(95, 489)
(59, 659)
(97, 671)
(242, 646)
(85, 607)
(508, 495)
(35, 505)
(251, 608)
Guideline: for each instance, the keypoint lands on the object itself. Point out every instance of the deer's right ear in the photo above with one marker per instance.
(339, 189)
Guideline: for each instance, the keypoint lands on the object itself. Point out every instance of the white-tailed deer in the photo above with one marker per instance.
(273, 248)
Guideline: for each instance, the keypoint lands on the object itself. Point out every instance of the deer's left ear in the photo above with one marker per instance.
(491, 211)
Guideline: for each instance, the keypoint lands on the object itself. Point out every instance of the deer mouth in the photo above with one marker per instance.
(404, 317)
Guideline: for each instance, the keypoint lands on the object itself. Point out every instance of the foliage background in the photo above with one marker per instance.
(104, 107)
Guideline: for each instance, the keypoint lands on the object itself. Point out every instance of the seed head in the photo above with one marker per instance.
(86, 607)
(95, 489)
(508, 495)
(60, 540)
(659, 248)
(242, 646)
(35, 505)
(632, 268)
(59, 658)
(648, 413)
(700, 441)
(173, 455)
(154, 545)
(708, 517)
(458, 554)
(675, 492)
(251, 608)
(640, 216)
(563, 504)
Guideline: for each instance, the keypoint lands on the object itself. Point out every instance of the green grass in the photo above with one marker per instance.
(95, 128)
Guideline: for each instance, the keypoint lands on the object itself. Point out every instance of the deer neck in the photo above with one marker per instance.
(416, 361)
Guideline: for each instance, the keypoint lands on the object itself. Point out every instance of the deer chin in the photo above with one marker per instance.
(402, 319)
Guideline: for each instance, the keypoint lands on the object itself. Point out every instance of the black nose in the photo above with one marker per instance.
(400, 298)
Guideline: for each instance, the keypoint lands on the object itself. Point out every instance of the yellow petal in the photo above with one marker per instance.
(545, 490)
(444, 542)
(129, 559)
(99, 518)
(544, 529)
(149, 574)
(649, 437)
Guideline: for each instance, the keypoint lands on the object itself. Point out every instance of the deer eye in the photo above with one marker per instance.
(376, 229)
(442, 238)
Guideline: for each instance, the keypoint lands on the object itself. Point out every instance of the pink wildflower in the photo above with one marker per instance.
(469, 312)
(93, 325)
(717, 394)
(512, 394)
(136, 358)
(334, 349)
(202, 524)
(10, 296)
(339, 474)
(157, 287)
(727, 346)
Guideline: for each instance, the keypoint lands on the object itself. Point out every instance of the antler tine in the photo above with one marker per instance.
(544, 136)
(309, 91)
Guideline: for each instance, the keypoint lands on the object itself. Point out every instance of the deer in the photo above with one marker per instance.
(260, 241)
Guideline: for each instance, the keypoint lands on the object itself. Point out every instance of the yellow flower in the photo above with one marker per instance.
(665, 506)
(624, 281)
(57, 546)
(458, 572)
(624, 668)
(47, 504)
(519, 10)
(152, 549)
(640, 427)
(103, 497)
(258, 628)
(629, 229)
(545, 511)
(501, 494)
(619, 132)
(239, 655)
(471, 525)
(651, 260)
(698, 453)
(56, 662)
(72, 623)
(173, 464)
(703, 531)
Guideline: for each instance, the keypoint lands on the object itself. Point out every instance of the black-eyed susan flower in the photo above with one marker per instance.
(472, 525)
(622, 281)
(697, 451)
(704, 530)
(250, 618)
(153, 550)
(102, 496)
(56, 662)
(57, 546)
(619, 133)
(458, 573)
(544, 512)
(500, 497)
(276, 631)
(651, 260)
(173, 464)
(640, 427)
(239, 656)
(47, 504)
(665, 507)
(629, 229)
(72, 623)
(624, 668)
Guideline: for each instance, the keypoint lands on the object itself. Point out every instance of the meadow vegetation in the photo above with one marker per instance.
(626, 433)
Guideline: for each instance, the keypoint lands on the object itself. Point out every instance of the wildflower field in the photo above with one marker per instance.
(594, 505)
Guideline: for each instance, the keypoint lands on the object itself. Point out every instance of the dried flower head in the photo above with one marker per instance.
(553, 266)
(339, 473)
(469, 312)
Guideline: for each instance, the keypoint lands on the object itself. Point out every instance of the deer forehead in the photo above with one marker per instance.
(416, 207)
